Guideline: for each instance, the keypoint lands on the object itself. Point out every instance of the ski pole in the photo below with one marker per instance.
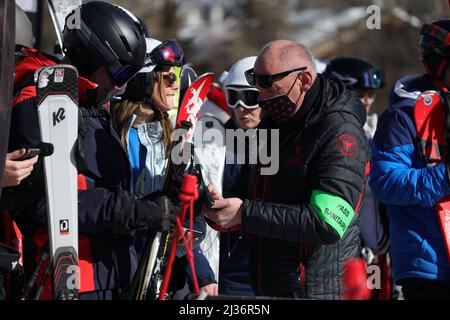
(38, 294)
(34, 276)
(189, 194)
(171, 259)
(190, 254)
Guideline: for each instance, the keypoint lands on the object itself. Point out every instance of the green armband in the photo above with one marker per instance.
(332, 209)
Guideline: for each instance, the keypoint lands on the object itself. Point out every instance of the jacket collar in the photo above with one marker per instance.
(300, 118)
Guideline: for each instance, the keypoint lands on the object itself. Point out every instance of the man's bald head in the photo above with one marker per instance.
(281, 55)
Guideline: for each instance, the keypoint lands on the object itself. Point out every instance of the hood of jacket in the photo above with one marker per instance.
(326, 96)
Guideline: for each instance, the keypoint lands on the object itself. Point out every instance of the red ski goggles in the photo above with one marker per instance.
(168, 53)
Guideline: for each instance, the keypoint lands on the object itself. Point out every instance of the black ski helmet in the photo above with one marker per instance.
(140, 88)
(144, 25)
(108, 35)
(355, 73)
(434, 47)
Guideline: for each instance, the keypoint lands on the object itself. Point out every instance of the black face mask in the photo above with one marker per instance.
(280, 108)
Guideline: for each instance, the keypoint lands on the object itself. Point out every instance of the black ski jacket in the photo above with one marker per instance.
(293, 251)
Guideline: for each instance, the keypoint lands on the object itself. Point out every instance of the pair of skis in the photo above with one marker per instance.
(57, 100)
(193, 91)
(7, 26)
(59, 10)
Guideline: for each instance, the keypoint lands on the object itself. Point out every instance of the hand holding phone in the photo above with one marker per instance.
(17, 167)
(30, 153)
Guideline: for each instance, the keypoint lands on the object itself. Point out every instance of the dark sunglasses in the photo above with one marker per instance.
(168, 53)
(247, 97)
(266, 81)
(171, 78)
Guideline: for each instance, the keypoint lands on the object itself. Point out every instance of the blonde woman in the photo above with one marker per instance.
(141, 120)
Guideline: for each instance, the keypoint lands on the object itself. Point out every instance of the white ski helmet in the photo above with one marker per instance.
(151, 44)
(24, 28)
(236, 75)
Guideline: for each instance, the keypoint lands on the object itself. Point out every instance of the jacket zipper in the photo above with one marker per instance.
(263, 196)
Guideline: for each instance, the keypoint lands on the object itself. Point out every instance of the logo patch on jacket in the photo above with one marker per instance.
(347, 145)
(429, 112)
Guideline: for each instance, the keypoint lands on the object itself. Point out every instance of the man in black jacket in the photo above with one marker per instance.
(301, 220)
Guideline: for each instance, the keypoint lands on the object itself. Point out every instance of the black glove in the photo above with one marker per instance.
(152, 213)
(205, 198)
(173, 189)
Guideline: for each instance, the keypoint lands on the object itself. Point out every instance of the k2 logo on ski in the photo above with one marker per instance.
(59, 116)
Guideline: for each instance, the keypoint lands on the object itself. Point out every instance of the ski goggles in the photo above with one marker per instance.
(247, 97)
(266, 81)
(168, 53)
(373, 79)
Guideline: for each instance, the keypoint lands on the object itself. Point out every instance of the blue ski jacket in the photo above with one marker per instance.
(410, 189)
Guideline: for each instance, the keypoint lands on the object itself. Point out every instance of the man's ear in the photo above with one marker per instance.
(306, 80)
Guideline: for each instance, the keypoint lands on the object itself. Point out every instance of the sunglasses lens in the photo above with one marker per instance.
(264, 81)
(171, 78)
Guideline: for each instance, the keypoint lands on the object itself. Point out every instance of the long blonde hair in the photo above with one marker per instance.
(166, 124)
(120, 114)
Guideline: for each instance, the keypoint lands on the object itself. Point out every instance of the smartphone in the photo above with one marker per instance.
(30, 153)
(198, 235)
